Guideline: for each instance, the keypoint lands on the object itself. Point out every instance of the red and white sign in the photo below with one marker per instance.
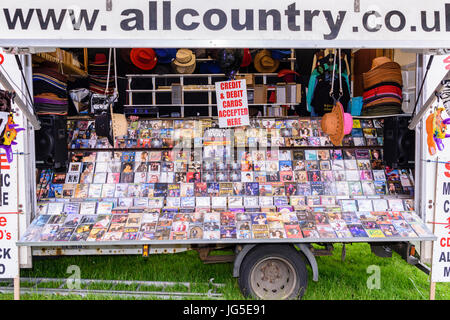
(440, 270)
(9, 252)
(232, 103)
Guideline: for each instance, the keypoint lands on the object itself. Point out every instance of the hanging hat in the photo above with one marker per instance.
(100, 58)
(165, 55)
(229, 61)
(184, 62)
(201, 53)
(209, 67)
(279, 54)
(143, 58)
(124, 53)
(264, 62)
(336, 124)
(288, 75)
(246, 59)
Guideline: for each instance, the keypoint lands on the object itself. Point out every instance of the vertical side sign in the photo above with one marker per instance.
(440, 270)
(9, 253)
(232, 103)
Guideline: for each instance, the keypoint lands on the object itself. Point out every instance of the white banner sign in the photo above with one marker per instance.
(440, 270)
(232, 103)
(9, 253)
(232, 23)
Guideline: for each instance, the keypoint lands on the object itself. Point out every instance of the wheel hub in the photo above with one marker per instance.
(273, 278)
(270, 272)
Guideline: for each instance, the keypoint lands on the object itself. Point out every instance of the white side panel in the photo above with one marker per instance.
(21, 153)
(435, 75)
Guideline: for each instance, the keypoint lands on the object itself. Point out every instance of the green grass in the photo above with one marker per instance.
(337, 280)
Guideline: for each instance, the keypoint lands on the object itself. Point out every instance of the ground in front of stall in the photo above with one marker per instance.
(352, 279)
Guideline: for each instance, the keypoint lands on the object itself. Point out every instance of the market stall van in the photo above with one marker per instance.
(277, 192)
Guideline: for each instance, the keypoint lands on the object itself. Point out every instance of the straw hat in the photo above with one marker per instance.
(264, 62)
(336, 124)
(379, 61)
(184, 62)
(143, 58)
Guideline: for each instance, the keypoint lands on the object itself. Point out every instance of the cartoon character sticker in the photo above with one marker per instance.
(436, 128)
(8, 134)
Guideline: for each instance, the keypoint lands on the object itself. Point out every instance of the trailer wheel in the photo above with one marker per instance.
(273, 272)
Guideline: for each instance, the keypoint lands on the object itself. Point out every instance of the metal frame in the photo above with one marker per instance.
(19, 102)
(100, 244)
(232, 43)
(135, 293)
(418, 117)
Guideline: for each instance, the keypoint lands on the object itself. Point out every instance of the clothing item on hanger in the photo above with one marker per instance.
(321, 82)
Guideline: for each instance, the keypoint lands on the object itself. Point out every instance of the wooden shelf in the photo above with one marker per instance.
(205, 105)
(67, 67)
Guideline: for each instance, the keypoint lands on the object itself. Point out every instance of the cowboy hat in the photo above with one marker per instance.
(143, 58)
(288, 75)
(279, 54)
(209, 67)
(165, 55)
(336, 124)
(264, 62)
(184, 62)
(383, 70)
(379, 61)
(99, 58)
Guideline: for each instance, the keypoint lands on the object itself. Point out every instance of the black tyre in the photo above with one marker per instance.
(273, 272)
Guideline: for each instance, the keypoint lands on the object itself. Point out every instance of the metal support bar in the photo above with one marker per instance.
(206, 258)
(428, 103)
(22, 106)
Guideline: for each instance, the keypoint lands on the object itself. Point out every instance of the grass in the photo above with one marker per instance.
(337, 280)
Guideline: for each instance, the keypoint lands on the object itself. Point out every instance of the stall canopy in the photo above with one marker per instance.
(232, 23)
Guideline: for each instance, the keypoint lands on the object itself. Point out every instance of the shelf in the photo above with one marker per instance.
(92, 117)
(67, 67)
(57, 244)
(184, 90)
(194, 75)
(234, 147)
(205, 105)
